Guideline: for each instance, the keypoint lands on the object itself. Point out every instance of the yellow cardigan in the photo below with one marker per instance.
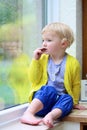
(38, 76)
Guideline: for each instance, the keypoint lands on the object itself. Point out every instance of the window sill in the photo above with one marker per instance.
(10, 120)
(11, 114)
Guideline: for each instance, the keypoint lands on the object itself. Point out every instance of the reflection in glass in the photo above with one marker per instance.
(19, 36)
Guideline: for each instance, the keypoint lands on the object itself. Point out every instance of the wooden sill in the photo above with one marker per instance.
(10, 119)
(77, 115)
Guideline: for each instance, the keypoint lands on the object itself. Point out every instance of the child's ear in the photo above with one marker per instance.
(64, 42)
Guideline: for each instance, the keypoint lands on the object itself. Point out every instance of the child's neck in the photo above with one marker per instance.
(58, 58)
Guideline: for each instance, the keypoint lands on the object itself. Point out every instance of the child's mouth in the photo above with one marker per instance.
(43, 49)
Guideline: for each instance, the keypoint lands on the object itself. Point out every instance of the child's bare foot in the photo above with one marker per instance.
(48, 120)
(29, 118)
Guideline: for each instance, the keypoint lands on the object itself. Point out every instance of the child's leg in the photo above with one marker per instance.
(29, 115)
(62, 108)
(43, 101)
(48, 120)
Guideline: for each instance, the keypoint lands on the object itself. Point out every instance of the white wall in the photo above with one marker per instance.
(68, 16)
(70, 13)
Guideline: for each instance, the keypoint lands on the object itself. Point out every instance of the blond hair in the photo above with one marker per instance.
(62, 30)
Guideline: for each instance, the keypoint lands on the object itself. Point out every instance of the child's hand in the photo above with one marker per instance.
(38, 52)
(80, 107)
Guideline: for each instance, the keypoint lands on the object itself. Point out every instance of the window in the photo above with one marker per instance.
(21, 22)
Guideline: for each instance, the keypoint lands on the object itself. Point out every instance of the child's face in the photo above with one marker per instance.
(51, 42)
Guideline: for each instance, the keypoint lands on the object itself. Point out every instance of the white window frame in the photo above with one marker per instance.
(10, 115)
(53, 11)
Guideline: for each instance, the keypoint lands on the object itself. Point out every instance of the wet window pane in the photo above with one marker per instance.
(20, 29)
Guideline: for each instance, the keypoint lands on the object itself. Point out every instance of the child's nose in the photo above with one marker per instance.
(44, 44)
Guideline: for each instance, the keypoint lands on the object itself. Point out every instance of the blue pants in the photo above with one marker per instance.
(51, 100)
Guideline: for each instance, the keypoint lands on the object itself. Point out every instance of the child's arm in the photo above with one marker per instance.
(35, 68)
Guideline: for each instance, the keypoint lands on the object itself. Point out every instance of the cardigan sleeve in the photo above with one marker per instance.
(35, 71)
(76, 80)
(72, 78)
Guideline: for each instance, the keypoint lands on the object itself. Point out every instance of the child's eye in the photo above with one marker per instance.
(42, 40)
(49, 40)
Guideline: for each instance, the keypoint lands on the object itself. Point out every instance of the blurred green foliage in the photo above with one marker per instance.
(9, 11)
(10, 20)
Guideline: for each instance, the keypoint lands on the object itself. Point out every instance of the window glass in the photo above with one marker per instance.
(20, 30)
